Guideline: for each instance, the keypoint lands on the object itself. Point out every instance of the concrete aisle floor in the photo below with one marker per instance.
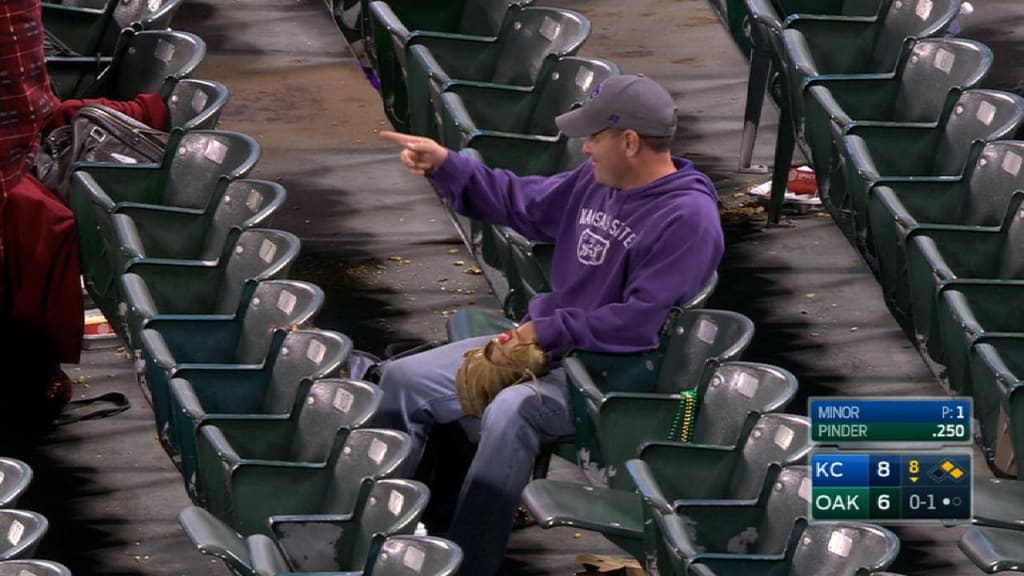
(378, 243)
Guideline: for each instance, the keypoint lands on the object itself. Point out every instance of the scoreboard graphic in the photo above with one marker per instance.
(891, 460)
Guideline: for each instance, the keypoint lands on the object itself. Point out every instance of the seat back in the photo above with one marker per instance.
(196, 104)
(15, 477)
(530, 35)
(566, 85)
(993, 178)
(304, 354)
(415, 556)
(275, 305)
(484, 17)
(259, 253)
(246, 203)
(367, 453)
(934, 67)
(977, 115)
(696, 337)
(33, 568)
(909, 19)
(199, 161)
(842, 549)
(332, 404)
(789, 499)
(21, 531)
(782, 439)
(143, 15)
(690, 339)
(152, 58)
(394, 506)
(734, 390)
(1011, 260)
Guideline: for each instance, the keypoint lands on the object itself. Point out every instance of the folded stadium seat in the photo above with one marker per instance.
(820, 549)
(33, 568)
(685, 530)
(415, 556)
(322, 541)
(248, 446)
(994, 549)
(147, 231)
(211, 394)
(997, 501)
(696, 470)
(531, 269)
(996, 368)
(766, 20)
(912, 220)
(155, 288)
(874, 154)
(470, 110)
(15, 478)
(817, 46)
(972, 312)
(93, 31)
(531, 39)
(195, 167)
(250, 339)
(21, 532)
(621, 401)
(395, 24)
(143, 62)
(195, 104)
(915, 92)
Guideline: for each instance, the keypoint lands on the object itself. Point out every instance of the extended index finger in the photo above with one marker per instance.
(399, 138)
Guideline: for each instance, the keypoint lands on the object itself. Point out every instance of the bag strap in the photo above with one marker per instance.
(119, 403)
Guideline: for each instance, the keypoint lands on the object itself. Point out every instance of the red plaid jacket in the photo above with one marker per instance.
(26, 99)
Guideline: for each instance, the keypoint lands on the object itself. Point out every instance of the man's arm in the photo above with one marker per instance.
(673, 270)
(531, 205)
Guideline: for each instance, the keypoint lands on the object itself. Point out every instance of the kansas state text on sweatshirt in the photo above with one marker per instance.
(622, 258)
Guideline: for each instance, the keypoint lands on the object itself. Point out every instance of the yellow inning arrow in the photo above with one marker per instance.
(913, 478)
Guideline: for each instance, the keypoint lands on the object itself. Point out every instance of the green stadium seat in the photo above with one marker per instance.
(33, 568)
(531, 39)
(92, 31)
(820, 549)
(621, 401)
(15, 478)
(759, 526)
(471, 110)
(143, 62)
(236, 450)
(918, 225)
(814, 47)
(195, 165)
(251, 338)
(683, 471)
(915, 92)
(21, 531)
(206, 395)
(874, 155)
(318, 542)
(395, 24)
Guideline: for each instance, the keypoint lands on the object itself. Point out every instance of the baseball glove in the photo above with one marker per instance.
(504, 361)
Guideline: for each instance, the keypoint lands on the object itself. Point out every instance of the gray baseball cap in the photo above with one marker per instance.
(624, 102)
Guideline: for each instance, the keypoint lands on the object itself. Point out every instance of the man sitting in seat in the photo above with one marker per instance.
(636, 231)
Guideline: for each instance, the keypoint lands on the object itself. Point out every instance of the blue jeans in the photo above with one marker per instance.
(419, 391)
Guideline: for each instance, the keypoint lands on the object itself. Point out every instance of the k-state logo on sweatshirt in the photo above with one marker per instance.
(591, 249)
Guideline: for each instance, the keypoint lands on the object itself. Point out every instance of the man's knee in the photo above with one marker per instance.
(397, 375)
(509, 407)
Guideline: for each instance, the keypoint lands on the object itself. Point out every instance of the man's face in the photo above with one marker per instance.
(606, 150)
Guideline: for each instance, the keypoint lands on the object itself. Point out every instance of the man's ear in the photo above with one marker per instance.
(632, 142)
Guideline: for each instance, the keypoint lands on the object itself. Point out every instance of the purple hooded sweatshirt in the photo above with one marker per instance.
(622, 258)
